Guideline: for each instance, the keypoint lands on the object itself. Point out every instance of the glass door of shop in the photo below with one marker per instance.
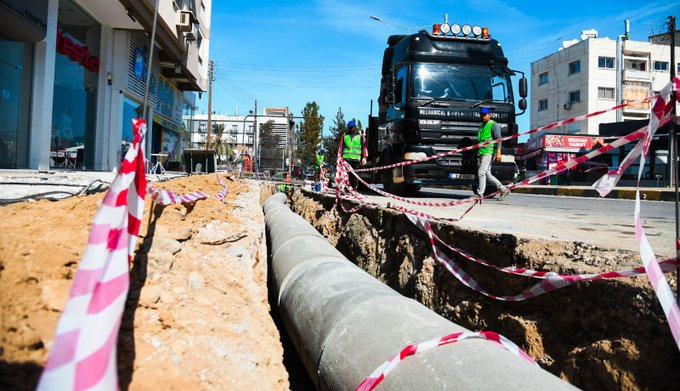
(11, 70)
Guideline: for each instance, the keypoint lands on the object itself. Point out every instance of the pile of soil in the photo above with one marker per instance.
(197, 314)
(606, 334)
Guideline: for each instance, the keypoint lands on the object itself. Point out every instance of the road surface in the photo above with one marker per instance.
(598, 221)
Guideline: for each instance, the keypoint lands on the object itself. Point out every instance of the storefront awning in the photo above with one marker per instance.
(24, 21)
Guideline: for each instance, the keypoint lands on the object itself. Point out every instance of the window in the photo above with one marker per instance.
(574, 96)
(542, 105)
(661, 66)
(605, 62)
(543, 78)
(677, 68)
(575, 67)
(605, 93)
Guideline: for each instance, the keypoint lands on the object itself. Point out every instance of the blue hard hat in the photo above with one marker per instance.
(485, 111)
(351, 124)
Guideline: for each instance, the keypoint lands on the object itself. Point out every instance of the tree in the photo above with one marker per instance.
(309, 133)
(269, 151)
(332, 142)
(220, 146)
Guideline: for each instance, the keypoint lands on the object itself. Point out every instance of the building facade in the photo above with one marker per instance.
(582, 78)
(239, 132)
(74, 74)
(590, 75)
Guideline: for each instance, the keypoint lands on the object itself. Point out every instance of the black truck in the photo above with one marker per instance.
(432, 88)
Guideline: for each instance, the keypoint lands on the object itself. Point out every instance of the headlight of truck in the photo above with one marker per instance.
(414, 155)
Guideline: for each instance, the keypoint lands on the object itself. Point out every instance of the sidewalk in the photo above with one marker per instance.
(646, 193)
(25, 185)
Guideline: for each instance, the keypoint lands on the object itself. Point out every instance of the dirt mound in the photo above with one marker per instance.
(197, 315)
(607, 334)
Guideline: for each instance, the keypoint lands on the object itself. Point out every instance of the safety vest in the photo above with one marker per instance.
(319, 160)
(352, 147)
(484, 134)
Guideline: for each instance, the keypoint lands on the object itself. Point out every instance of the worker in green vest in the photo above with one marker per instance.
(318, 164)
(489, 130)
(353, 149)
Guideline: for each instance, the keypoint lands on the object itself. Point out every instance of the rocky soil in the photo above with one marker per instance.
(197, 313)
(596, 335)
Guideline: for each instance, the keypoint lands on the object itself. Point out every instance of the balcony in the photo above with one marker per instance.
(636, 75)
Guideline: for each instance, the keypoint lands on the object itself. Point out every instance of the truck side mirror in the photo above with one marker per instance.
(522, 104)
(523, 89)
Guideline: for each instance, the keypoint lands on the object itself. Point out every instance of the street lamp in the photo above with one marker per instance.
(396, 25)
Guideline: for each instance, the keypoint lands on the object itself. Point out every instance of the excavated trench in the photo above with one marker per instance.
(606, 334)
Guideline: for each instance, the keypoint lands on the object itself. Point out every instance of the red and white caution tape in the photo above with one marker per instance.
(667, 266)
(514, 136)
(375, 378)
(167, 197)
(83, 355)
(550, 281)
(660, 111)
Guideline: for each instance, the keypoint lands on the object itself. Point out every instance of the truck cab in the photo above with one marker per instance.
(432, 87)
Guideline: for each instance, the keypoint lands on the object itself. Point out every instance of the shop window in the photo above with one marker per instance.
(75, 88)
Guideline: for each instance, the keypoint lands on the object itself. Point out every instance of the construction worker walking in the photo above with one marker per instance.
(353, 149)
(489, 130)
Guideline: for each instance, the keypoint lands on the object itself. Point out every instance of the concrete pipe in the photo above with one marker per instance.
(344, 323)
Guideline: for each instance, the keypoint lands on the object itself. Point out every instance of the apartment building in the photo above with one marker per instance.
(74, 75)
(581, 78)
(239, 130)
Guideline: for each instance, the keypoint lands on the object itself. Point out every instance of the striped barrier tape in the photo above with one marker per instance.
(662, 109)
(667, 266)
(375, 378)
(548, 283)
(83, 353)
(343, 167)
(514, 136)
(167, 197)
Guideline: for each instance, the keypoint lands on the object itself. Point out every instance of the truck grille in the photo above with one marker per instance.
(449, 138)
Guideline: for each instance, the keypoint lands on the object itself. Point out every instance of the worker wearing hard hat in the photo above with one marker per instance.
(489, 130)
(353, 149)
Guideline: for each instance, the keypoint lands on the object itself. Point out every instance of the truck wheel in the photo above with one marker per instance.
(387, 177)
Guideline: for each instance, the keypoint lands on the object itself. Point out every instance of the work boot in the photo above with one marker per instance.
(504, 194)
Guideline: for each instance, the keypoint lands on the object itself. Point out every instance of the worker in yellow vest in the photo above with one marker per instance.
(489, 130)
(353, 149)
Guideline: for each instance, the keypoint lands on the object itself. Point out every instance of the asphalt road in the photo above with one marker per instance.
(598, 221)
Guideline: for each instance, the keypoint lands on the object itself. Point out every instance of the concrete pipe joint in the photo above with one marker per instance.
(344, 323)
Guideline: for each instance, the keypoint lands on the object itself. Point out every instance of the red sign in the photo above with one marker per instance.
(77, 53)
(573, 142)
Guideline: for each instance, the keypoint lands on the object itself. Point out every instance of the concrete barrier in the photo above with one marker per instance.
(344, 323)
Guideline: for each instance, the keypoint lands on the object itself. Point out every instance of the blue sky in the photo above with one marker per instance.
(288, 53)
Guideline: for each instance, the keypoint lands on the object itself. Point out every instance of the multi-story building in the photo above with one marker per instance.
(239, 130)
(74, 74)
(590, 75)
(581, 78)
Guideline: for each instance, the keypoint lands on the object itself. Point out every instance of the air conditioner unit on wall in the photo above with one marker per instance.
(567, 106)
(186, 20)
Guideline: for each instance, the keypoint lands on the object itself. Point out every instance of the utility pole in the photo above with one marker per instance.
(288, 144)
(211, 64)
(256, 141)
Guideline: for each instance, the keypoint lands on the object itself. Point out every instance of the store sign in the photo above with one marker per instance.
(77, 53)
(572, 142)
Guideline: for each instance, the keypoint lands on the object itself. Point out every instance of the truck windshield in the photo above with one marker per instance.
(460, 82)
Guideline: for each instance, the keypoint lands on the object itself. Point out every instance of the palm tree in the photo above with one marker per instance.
(218, 130)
